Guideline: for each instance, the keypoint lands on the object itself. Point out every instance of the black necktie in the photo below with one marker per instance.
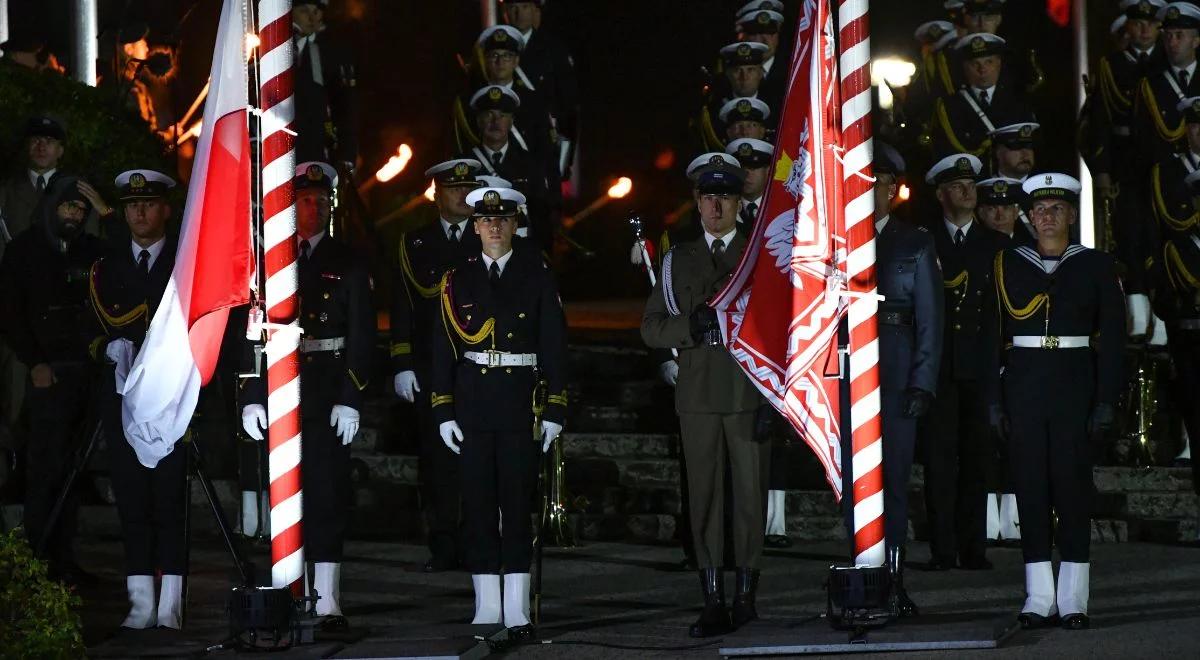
(1183, 78)
(494, 273)
(718, 249)
(41, 183)
(144, 263)
(497, 157)
(958, 238)
(453, 233)
(983, 99)
(749, 213)
(305, 249)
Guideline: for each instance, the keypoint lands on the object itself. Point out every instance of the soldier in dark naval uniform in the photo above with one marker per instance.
(910, 348)
(743, 75)
(502, 331)
(339, 335)
(426, 255)
(716, 402)
(963, 122)
(126, 286)
(45, 316)
(326, 90)
(763, 24)
(999, 209)
(1158, 125)
(1056, 300)
(956, 459)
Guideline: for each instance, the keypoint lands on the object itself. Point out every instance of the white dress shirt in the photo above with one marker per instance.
(953, 228)
(33, 177)
(154, 250)
(462, 227)
(501, 262)
(726, 239)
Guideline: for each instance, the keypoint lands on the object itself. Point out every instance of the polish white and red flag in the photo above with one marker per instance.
(781, 310)
(213, 264)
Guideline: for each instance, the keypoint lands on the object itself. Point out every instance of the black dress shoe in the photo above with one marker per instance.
(975, 564)
(335, 623)
(937, 564)
(1029, 620)
(744, 609)
(1076, 622)
(525, 634)
(714, 619)
(778, 541)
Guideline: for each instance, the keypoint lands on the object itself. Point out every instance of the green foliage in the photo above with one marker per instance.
(38, 616)
(104, 138)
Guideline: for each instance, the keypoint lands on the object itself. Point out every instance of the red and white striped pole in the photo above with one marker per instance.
(283, 306)
(866, 464)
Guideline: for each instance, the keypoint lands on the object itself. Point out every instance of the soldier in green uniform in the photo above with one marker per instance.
(715, 401)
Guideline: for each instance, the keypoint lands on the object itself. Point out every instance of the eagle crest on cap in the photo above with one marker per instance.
(978, 43)
(1173, 13)
(963, 164)
(1144, 6)
(500, 35)
(1000, 187)
(1049, 180)
(495, 93)
(491, 198)
(1025, 131)
(461, 169)
(743, 50)
(716, 160)
(137, 181)
(937, 31)
(743, 107)
(763, 18)
(314, 173)
(744, 149)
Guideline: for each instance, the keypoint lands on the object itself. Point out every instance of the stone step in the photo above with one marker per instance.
(1129, 479)
(631, 394)
(1146, 505)
(620, 445)
(1168, 530)
(612, 363)
(617, 419)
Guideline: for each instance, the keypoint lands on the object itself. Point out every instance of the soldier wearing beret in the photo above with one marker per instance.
(964, 121)
(1057, 397)
(339, 336)
(956, 460)
(45, 315)
(126, 286)
(326, 87)
(910, 351)
(716, 403)
(425, 256)
(501, 332)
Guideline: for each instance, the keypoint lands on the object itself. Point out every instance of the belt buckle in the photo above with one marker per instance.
(1050, 342)
(493, 358)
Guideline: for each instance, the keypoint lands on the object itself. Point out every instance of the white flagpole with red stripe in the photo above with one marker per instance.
(854, 54)
(283, 307)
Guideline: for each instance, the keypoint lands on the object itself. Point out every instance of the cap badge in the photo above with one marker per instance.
(937, 31)
(495, 93)
(1144, 6)
(743, 50)
(314, 173)
(978, 44)
(1049, 180)
(491, 198)
(137, 181)
(745, 149)
(763, 18)
(716, 160)
(1000, 187)
(743, 107)
(1025, 131)
(1173, 13)
(500, 35)
(461, 169)
(963, 164)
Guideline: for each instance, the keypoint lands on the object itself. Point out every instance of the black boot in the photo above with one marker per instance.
(744, 610)
(714, 620)
(902, 605)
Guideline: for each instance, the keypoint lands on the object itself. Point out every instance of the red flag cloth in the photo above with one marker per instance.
(781, 310)
(1059, 11)
(212, 266)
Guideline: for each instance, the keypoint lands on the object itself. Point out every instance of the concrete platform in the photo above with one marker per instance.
(814, 636)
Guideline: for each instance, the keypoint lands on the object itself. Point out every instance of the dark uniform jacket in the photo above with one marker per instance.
(531, 121)
(526, 172)
(969, 305)
(44, 296)
(1158, 127)
(911, 283)
(123, 301)
(1177, 296)
(18, 199)
(326, 109)
(958, 128)
(1082, 298)
(1170, 202)
(1109, 111)
(548, 64)
(335, 301)
(425, 255)
(522, 315)
(710, 381)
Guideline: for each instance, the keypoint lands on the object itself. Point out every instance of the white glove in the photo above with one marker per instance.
(120, 352)
(450, 432)
(635, 253)
(1138, 307)
(254, 421)
(550, 431)
(345, 420)
(1158, 331)
(669, 372)
(405, 384)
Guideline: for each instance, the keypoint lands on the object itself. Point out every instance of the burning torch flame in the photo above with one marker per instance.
(621, 188)
(395, 164)
(429, 192)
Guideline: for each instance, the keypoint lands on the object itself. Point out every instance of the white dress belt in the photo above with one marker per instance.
(318, 345)
(1050, 341)
(501, 359)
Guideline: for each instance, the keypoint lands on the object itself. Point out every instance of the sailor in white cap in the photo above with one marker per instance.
(502, 330)
(957, 462)
(764, 25)
(1063, 323)
(745, 117)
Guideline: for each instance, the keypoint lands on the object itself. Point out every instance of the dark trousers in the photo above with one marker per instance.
(709, 440)
(684, 519)
(957, 451)
(56, 416)
(325, 477)
(899, 443)
(499, 476)
(252, 464)
(1185, 354)
(440, 490)
(150, 503)
(1048, 396)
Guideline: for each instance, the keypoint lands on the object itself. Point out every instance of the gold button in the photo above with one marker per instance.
(117, 306)
(510, 335)
(468, 317)
(521, 315)
(325, 295)
(957, 326)
(308, 358)
(508, 370)
(483, 370)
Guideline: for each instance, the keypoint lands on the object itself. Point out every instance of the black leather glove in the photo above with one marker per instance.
(1100, 421)
(917, 402)
(702, 319)
(998, 421)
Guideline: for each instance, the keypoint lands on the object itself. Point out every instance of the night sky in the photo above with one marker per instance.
(639, 63)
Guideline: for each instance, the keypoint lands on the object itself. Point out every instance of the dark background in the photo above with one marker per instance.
(639, 64)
